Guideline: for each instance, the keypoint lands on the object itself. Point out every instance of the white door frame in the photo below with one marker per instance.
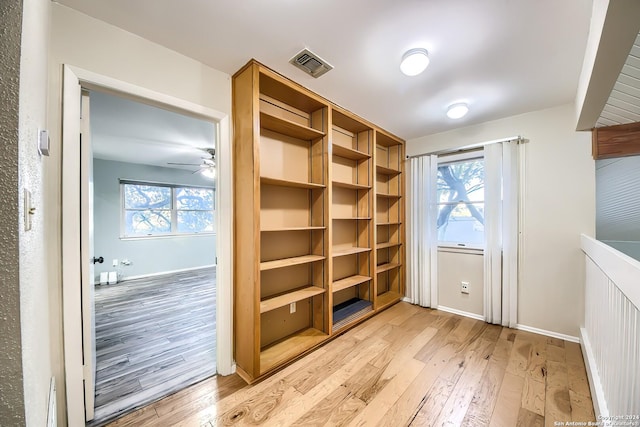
(73, 79)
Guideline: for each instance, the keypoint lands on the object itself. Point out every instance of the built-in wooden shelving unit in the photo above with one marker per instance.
(389, 277)
(318, 220)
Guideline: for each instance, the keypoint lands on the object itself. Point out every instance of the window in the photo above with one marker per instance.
(162, 209)
(460, 202)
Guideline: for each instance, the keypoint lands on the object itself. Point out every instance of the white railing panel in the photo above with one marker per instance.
(611, 333)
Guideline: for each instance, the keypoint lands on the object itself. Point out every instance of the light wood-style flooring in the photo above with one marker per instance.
(154, 336)
(406, 366)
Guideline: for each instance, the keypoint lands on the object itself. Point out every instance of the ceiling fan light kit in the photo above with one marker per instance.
(208, 165)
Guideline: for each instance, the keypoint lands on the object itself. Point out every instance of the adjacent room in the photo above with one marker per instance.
(153, 214)
(416, 213)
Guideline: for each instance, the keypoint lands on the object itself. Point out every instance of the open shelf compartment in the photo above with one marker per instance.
(293, 345)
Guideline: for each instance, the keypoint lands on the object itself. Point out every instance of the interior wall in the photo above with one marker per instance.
(25, 366)
(147, 256)
(79, 40)
(559, 205)
(456, 266)
(12, 409)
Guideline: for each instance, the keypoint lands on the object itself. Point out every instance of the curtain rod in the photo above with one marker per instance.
(468, 147)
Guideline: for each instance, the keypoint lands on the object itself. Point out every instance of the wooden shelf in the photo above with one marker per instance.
(350, 185)
(387, 245)
(385, 140)
(386, 267)
(355, 218)
(287, 127)
(289, 183)
(386, 171)
(348, 282)
(286, 262)
(292, 346)
(309, 228)
(388, 196)
(388, 223)
(286, 299)
(349, 153)
(387, 298)
(349, 251)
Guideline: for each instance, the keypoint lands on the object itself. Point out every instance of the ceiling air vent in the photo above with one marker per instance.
(310, 63)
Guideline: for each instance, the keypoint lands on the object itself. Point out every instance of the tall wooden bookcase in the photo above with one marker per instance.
(318, 234)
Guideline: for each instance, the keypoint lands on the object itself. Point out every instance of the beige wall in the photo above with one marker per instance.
(95, 46)
(454, 267)
(559, 205)
(11, 380)
(34, 290)
(25, 366)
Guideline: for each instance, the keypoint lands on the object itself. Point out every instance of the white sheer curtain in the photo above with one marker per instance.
(423, 237)
(502, 199)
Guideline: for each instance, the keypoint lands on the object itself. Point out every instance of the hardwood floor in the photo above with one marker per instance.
(406, 366)
(153, 337)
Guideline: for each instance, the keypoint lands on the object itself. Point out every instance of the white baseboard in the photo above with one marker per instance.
(52, 415)
(161, 273)
(548, 333)
(597, 392)
(461, 313)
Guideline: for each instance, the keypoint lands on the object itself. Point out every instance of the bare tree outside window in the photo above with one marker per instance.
(151, 210)
(461, 202)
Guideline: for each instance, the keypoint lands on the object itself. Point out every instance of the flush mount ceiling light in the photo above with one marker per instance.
(414, 61)
(457, 111)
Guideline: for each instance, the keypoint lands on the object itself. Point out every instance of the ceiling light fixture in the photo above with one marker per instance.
(457, 111)
(414, 61)
(209, 172)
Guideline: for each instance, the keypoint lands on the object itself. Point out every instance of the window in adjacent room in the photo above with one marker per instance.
(460, 200)
(163, 209)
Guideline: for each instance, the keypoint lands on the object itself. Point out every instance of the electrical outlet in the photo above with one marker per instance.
(292, 308)
(464, 287)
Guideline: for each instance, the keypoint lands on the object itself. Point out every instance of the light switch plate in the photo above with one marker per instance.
(44, 142)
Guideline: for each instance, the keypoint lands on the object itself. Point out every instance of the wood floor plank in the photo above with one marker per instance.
(533, 396)
(466, 385)
(506, 413)
(407, 366)
(486, 396)
(386, 397)
(527, 418)
(293, 409)
(433, 403)
(581, 407)
(557, 399)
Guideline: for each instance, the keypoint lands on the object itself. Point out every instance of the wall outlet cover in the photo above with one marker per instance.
(464, 287)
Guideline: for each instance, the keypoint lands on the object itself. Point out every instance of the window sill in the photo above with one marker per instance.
(169, 236)
(472, 250)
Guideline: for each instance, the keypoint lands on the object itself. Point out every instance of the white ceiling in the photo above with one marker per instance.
(503, 57)
(127, 131)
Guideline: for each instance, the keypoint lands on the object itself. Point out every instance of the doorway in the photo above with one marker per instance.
(153, 208)
(76, 367)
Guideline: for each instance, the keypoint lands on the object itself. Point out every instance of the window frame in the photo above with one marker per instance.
(173, 209)
(460, 157)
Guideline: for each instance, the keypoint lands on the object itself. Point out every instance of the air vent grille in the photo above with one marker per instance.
(310, 63)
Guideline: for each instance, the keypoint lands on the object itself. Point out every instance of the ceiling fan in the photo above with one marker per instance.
(208, 165)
